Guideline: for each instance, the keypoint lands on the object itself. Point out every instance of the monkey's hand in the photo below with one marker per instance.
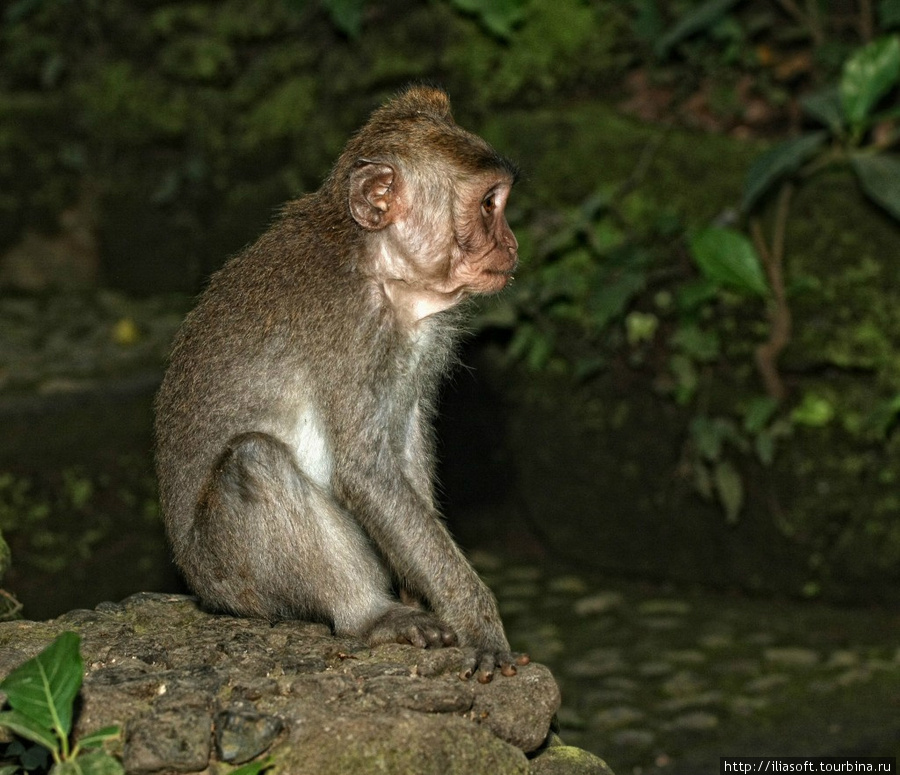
(483, 661)
(404, 624)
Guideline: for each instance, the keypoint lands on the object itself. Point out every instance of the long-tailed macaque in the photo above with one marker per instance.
(294, 441)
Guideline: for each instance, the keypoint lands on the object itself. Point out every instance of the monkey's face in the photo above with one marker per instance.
(437, 231)
(486, 251)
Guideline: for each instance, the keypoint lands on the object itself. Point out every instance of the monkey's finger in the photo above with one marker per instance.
(414, 636)
(437, 636)
(470, 663)
(486, 666)
(509, 661)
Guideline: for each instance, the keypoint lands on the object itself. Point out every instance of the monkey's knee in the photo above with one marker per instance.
(240, 552)
(308, 556)
(253, 467)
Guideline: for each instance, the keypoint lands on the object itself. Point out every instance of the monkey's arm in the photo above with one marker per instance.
(411, 535)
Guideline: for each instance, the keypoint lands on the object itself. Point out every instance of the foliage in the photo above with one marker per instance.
(498, 16)
(9, 606)
(600, 287)
(41, 694)
(850, 114)
(254, 768)
(729, 259)
(584, 275)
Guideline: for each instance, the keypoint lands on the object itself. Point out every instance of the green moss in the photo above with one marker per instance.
(555, 43)
(566, 155)
(122, 104)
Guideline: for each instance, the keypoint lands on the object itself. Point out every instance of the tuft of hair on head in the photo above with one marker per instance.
(417, 100)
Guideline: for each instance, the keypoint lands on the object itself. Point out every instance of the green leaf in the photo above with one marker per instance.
(867, 76)
(44, 688)
(498, 16)
(879, 176)
(889, 14)
(882, 417)
(728, 258)
(640, 327)
(28, 728)
(254, 768)
(346, 15)
(765, 447)
(758, 413)
(825, 106)
(610, 299)
(730, 490)
(777, 163)
(97, 738)
(696, 294)
(703, 346)
(814, 411)
(94, 763)
(708, 436)
(686, 377)
(696, 20)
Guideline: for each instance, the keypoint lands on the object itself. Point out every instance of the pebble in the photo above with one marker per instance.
(683, 684)
(574, 585)
(678, 704)
(621, 716)
(716, 641)
(598, 662)
(791, 656)
(654, 607)
(686, 657)
(633, 738)
(598, 603)
(699, 721)
(767, 683)
(655, 669)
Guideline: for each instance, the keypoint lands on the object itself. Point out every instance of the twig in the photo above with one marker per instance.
(866, 21)
(637, 175)
(809, 19)
(780, 321)
(13, 606)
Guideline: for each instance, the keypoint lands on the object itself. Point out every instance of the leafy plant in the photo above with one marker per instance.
(849, 111)
(584, 276)
(499, 17)
(41, 694)
(9, 606)
(254, 768)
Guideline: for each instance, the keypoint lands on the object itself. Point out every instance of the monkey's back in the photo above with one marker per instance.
(242, 355)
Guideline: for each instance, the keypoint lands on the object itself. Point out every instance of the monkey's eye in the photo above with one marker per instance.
(489, 204)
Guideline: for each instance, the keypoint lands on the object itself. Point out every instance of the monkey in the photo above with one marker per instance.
(293, 426)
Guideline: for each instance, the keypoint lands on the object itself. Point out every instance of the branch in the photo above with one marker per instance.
(780, 321)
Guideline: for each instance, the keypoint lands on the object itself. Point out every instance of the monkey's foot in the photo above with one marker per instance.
(402, 624)
(484, 662)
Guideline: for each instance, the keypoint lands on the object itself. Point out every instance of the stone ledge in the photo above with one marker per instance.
(192, 689)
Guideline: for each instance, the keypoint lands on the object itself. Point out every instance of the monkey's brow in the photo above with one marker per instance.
(496, 161)
(511, 168)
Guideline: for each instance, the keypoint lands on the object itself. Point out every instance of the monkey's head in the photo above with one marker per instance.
(430, 198)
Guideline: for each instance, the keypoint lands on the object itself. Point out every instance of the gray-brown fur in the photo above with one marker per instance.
(294, 447)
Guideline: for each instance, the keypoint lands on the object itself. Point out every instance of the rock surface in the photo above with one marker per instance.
(190, 689)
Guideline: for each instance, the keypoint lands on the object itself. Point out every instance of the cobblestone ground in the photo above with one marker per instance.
(666, 682)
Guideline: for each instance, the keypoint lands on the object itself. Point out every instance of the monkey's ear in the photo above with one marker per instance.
(372, 194)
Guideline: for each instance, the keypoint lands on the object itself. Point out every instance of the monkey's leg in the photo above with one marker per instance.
(269, 542)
